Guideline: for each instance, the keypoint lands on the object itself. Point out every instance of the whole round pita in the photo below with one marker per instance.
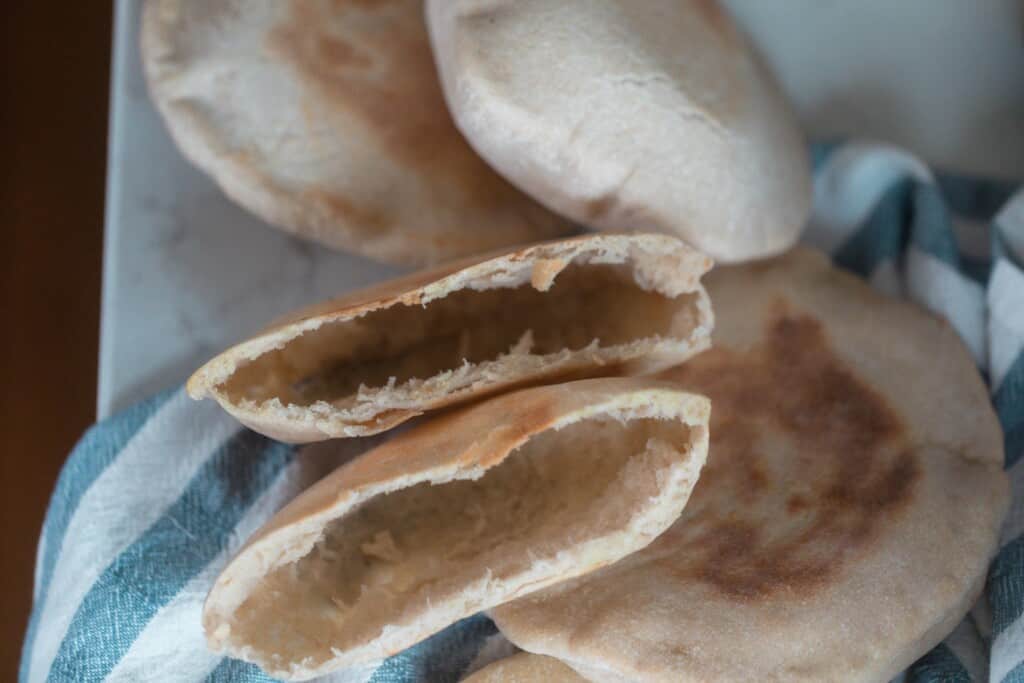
(525, 668)
(458, 514)
(845, 519)
(326, 118)
(651, 115)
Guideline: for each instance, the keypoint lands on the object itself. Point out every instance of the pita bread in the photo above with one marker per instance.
(326, 118)
(526, 668)
(361, 364)
(458, 514)
(847, 514)
(651, 115)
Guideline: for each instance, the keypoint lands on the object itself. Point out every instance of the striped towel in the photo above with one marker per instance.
(153, 502)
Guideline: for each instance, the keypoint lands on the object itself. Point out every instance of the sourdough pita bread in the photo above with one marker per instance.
(845, 519)
(368, 361)
(326, 118)
(650, 115)
(526, 668)
(456, 515)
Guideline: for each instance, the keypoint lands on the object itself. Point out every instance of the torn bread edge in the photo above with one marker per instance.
(660, 263)
(464, 445)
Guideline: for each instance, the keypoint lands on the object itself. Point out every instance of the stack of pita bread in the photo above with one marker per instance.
(633, 487)
(327, 118)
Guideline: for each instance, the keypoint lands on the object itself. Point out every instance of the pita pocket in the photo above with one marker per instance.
(652, 115)
(846, 517)
(326, 118)
(458, 514)
(361, 364)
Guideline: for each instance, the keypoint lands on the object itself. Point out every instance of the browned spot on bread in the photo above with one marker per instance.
(366, 217)
(371, 61)
(716, 18)
(796, 504)
(757, 480)
(599, 207)
(341, 54)
(787, 413)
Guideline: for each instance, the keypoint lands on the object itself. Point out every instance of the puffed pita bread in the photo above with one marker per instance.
(326, 118)
(652, 115)
(846, 517)
(526, 668)
(458, 514)
(361, 364)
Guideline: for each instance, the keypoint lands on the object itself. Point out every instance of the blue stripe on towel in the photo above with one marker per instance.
(151, 572)
(1015, 675)
(940, 664)
(237, 671)
(931, 229)
(99, 447)
(881, 237)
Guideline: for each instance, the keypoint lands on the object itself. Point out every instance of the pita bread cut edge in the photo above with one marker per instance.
(847, 514)
(361, 364)
(456, 515)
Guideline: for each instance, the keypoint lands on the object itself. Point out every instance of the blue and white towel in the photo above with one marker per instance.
(153, 502)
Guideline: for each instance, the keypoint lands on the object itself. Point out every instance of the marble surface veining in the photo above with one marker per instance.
(186, 272)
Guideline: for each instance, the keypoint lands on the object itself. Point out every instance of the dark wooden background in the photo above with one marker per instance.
(53, 131)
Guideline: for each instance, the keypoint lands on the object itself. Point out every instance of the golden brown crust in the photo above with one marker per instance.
(526, 668)
(846, 516)
(327, 119)
(863, 470)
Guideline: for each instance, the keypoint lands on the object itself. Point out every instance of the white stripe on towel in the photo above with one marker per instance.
(941, 289)
(849, 186)
(1010, 221)
(1007, 650)
(1005, 323)
(113, 512)
(174, 637)
(37, 575)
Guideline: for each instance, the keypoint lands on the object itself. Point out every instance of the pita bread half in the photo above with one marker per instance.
(526, 668)
(456, 515)
(326, 118)
(847, 514)
(651, 115)
(361, 364)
